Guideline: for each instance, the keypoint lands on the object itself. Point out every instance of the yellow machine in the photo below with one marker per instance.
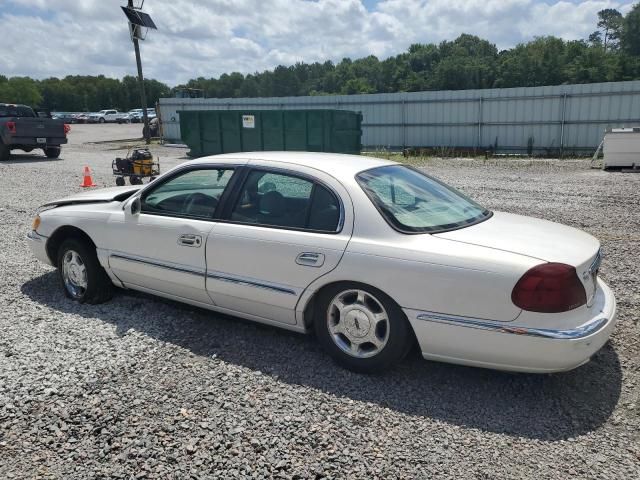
(138, 164)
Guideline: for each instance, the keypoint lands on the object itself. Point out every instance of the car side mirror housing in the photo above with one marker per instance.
(134, 206)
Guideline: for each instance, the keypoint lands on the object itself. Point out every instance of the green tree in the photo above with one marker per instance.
(631, 31)
(20, 90)
(610, 23)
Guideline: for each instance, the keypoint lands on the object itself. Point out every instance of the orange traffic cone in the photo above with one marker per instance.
(88, 181)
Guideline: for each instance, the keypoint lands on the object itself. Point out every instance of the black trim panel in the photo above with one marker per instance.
(159, 264)
(249, 283)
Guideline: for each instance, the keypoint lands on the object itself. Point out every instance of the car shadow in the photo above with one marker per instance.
(30, 158)
(545, 407)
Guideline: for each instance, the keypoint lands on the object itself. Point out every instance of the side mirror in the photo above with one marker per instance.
(135, 206)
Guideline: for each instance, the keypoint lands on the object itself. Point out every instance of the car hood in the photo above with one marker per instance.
(533, 237)
(112, 194)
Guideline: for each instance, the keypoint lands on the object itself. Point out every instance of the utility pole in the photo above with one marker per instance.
(143, 96)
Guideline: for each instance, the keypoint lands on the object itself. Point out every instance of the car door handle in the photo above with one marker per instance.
(310, 259)
(190, 240)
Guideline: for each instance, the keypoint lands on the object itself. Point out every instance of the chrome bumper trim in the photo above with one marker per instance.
(250, 283)
(571, 334)
(153, 263)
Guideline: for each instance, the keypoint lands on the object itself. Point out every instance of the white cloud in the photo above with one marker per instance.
(211, 37)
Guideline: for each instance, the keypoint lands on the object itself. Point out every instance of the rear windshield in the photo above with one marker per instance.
(16, 111)
(413, 202)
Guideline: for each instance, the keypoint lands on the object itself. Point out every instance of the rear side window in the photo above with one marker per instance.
(286, 201)
(16, 111)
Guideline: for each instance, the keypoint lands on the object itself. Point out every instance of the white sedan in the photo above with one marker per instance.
(372, 255)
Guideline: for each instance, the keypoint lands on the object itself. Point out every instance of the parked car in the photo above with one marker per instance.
(21, 128)
(68, 117)
(132, 116)
(135, 115)
(104, 116)
(370, 254)
(82, 117)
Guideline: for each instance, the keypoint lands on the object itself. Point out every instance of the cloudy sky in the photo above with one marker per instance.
(43, 38)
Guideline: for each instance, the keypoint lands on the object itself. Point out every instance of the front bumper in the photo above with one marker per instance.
(38, 246)
(505, 346)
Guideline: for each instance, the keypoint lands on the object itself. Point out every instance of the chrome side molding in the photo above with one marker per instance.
(250, 283)
(570, 334)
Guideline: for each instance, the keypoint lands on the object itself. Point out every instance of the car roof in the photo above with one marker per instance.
(335, 164)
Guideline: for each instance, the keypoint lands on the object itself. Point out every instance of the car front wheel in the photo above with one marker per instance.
(361, 328)
(83, 278)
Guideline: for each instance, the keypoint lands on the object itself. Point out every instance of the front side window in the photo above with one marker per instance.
(195, 193)
(413, 202)
(287, 201)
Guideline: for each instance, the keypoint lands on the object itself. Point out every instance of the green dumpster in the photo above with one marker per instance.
(210, 132)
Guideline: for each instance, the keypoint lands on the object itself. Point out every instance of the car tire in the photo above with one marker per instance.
(102, 120)
(368, 333)
(52, 152)
(120, 181)
(5, 152)
(82, 277)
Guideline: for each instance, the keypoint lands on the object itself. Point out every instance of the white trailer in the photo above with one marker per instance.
(622, 148)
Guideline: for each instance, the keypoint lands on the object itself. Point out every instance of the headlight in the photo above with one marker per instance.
(36, 223)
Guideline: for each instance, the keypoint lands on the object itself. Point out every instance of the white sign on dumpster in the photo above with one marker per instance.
(248, 121)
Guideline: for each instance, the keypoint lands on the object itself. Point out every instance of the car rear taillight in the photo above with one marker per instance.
(549, 288)
(67, 128)
(11, 127)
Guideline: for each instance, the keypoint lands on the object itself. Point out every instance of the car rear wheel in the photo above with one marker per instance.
(83, 278)
(361, 328)
(52, 152)
(5, 153)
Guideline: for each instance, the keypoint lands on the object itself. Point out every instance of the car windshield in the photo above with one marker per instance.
(413, 202)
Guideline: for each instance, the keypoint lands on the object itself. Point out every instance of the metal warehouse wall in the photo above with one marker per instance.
(564, 118)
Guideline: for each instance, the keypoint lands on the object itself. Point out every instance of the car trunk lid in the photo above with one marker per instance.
(536, 238)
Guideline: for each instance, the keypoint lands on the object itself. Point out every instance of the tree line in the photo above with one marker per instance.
(611, 53)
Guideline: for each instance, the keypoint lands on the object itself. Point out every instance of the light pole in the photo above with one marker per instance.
(138, 20)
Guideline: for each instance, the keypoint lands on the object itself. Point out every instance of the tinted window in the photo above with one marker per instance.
(414, 202)
(194, 194)
(324, 213)
(281, 200)
(16, 111)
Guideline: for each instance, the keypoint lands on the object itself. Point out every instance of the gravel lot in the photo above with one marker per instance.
(145, 388)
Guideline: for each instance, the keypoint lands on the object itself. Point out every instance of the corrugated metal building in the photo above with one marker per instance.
(560, 119)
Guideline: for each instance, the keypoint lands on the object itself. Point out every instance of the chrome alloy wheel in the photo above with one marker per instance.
(74, 274)
(358, 323)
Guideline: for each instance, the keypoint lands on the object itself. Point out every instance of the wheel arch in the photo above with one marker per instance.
(60, 235)
(309, 306)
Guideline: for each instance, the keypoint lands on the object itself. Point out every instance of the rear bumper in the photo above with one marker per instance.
(38, 246)
(31, 142)
(506, 346)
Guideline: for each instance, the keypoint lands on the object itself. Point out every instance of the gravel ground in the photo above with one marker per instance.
(144, 388)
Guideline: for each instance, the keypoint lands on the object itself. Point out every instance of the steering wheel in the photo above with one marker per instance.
(194, 198)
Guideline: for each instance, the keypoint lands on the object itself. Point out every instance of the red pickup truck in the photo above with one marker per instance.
(21, 128)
